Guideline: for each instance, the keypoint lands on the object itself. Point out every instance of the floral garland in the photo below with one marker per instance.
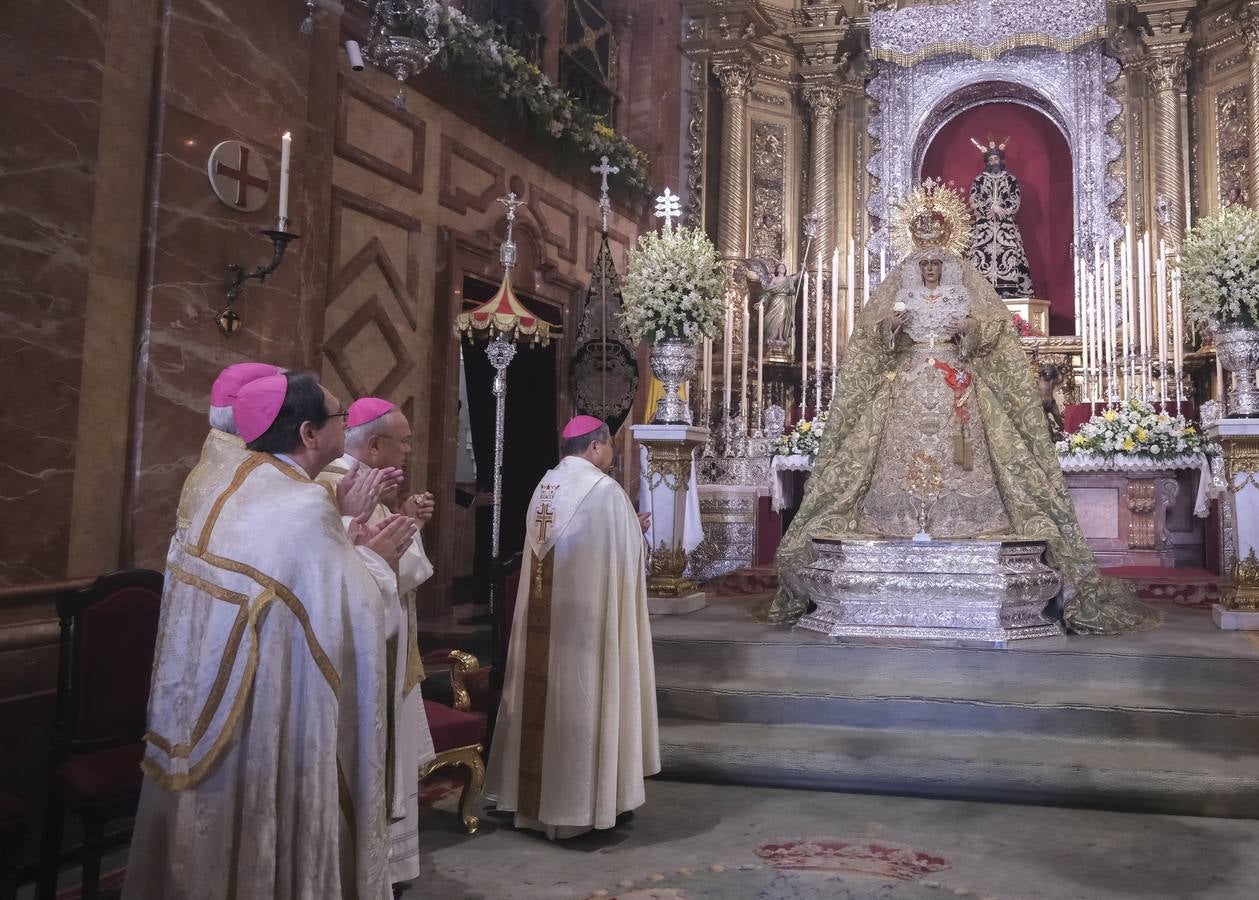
(477, 53)
(805, 439)
(672, 287)
(1135, 429)
(1220, 268)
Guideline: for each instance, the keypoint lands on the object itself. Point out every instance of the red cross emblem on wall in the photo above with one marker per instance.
(239, 176)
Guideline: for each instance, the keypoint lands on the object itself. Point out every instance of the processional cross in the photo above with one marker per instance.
(668, 207)
(603, 170)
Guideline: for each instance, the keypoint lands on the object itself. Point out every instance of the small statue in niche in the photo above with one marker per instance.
(996, 246)
(1048, 378)
(777, 295)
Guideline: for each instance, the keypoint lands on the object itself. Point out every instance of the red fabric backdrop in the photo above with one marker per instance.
(1038, 156)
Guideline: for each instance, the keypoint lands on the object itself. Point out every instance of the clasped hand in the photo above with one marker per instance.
(389, 538)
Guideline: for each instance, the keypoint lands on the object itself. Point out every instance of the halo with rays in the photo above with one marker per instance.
(933, 215)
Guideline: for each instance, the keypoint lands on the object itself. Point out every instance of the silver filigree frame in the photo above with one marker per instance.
(914, 102)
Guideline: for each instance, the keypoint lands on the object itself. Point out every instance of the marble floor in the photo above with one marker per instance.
(709, 842)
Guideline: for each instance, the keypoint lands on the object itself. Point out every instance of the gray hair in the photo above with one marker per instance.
(223, 419)
(356, 438)
(576, 446)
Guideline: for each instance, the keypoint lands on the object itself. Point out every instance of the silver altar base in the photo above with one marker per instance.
(990, 591)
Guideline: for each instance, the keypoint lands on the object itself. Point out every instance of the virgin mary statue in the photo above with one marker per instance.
(934, 371)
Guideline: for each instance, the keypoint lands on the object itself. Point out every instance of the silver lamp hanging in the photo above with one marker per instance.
(400, 55)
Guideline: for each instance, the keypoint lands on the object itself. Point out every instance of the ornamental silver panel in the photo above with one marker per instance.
(986, 591)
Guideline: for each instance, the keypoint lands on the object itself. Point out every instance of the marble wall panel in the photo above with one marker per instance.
(45, 223)
(233, 70)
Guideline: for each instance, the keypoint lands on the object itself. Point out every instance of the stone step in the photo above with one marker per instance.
(1134, 775)
(1226, 720)
(821, 661)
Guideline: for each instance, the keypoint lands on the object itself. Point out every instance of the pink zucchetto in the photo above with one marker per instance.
(367, 409)
(580, 425)
(257, 405)
(235, 377)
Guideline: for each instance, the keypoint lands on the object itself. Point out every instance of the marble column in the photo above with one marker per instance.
(1166, 70)
(735, 79)
(822, 98)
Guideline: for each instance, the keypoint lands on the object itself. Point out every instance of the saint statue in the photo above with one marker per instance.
(778, 297)
(996, 245)
(934, 371)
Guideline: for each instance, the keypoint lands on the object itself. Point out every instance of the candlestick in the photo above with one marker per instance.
(760, 366)
(1161, 282)
(707, 382)
(865, 276)
(882, 264)
(850, 298)
(745, 395)
(286, 152)
(804, 346)
(727, 359)
(834, 317)
(818, 325)
(1125, 299)
(1143, 304)
(1177, 339)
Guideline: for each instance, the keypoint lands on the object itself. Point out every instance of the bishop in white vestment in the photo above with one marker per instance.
(378, 436)
(265, 758)
(577, 732)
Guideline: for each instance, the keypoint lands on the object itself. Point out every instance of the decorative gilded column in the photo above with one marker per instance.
(1250, 33)
(735, 79)
(1166, 74)
(1168, 30)
(822, 98)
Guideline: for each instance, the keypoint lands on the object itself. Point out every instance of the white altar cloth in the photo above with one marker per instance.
(1207, 489)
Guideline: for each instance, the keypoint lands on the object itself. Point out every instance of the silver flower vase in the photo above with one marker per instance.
(1238, 350)
(673, 363)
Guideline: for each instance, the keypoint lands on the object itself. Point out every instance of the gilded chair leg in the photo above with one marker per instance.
(472, 786)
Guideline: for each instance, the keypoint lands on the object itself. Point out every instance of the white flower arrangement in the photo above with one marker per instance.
(1136, 430)
(1219, 262)
(805, 439)
(672, 287)
(477, 55)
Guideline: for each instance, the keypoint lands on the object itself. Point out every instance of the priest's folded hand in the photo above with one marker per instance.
(360, 490)
(644, 521)
(391, 537)
(420, 507)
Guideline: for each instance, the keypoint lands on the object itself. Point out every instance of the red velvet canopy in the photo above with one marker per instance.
(1037, 154)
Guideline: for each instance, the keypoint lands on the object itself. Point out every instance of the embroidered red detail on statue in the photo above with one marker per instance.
(959, 382)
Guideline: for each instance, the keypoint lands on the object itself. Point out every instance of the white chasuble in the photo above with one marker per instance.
(265, 758)
(409, 742)
(577, 732)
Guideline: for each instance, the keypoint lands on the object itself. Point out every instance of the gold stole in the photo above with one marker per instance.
(537, 667)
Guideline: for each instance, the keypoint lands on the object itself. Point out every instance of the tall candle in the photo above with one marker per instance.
(865, 276)
(804, 346)
(745, 395)
(707, 380)
(1086, 340)
(1178, 334)
(818, 325)
(727, 360)
(286, 152)
(1143, 306)
(760, 364)
(1126, 295)
(850, 292)
(1161, 323)
(834, 313)
(882, 264)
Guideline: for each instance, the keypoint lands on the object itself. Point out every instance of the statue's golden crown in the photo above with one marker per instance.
(935, 216)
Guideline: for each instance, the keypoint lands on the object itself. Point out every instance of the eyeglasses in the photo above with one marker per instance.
(339, 415)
